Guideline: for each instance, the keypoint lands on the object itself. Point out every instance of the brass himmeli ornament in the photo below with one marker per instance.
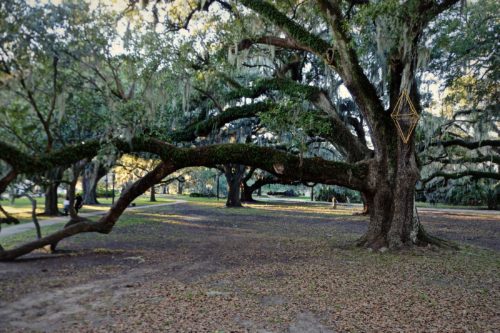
(405, 117)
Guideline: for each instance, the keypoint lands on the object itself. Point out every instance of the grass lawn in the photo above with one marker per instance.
(21, 208)
(272, 267)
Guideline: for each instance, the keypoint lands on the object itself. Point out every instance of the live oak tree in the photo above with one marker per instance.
(459, 141)
(389, 186)
(375, 49)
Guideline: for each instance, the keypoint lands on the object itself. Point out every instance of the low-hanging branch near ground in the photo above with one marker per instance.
(273, 161)
(386, 175)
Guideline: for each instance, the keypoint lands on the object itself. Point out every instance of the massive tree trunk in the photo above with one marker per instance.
(54, 178)
(391, 202)
(393, 169)
(246, 190)
(246, 194)
(234, 175)
(94, 171)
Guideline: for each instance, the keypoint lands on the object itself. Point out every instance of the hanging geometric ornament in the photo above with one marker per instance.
(405, 117)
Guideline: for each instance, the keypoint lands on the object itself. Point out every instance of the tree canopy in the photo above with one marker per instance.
(303, 90)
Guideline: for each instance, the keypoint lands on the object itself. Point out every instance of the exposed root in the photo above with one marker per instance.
(373, 243)
(424, 239)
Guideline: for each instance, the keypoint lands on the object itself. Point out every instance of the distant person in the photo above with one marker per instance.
(78, 202)
(334, 203)
(66, 205)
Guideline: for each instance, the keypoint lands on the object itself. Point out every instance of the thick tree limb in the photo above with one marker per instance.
(104, 225)
(465, 144)
(457, 175)
(276, 162)
(26, 163)
(479, 159)
(271, 160)
(299, 34)
(343, 58)
(339, 134)
(205, 127)
(358, 84)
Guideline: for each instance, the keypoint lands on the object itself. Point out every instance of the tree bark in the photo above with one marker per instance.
(94, 171)
(34, 216)
(105, 223)
(234, 175)
(54, 177)
(7, 179)
(180, 187)
(247, 193)
(152, 195)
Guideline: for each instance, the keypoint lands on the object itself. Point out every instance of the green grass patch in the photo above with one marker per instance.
(21, 208)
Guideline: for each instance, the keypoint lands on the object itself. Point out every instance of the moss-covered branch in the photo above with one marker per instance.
(465, 144)
(276, 162)
(286, 43)
(279, 163)
(343, 58)
(286, 86)
(205, 127)
(300, 35)
(338, 132)
(26, 163)
(462, 160)
(457, 175)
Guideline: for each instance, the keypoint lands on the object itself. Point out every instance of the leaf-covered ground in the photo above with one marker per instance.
(266, 268)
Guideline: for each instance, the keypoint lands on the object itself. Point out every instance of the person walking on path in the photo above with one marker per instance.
(66, 206)
(78, 202)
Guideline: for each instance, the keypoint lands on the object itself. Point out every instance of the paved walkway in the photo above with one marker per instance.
(8, 231)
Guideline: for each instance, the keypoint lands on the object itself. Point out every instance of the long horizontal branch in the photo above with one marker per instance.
(174, 158)
(479, 159)
(458, 175)
(279, 163)
(466, 144)
(26, 163)
(269, 159)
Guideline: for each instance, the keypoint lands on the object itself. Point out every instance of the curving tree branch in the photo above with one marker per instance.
(275, 162)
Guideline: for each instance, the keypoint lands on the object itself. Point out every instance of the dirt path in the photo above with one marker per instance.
(265, 268)
(15, 229)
